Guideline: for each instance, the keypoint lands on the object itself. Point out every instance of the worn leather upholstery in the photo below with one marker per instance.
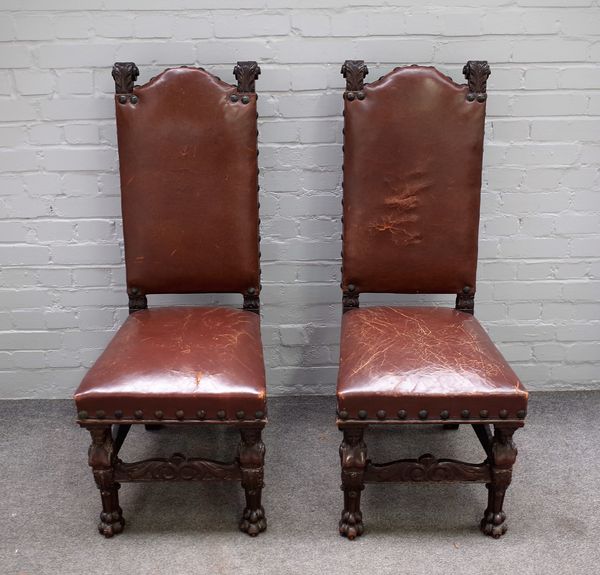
(197, 361)
(412, 178)
(423, 358)
(189, 185)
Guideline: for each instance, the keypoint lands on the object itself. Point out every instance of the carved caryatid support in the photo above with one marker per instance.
(504, 454)
(125, 74)
(477, 72)
(246, 73)
(101, 459)
(353, 457)
(251, 456)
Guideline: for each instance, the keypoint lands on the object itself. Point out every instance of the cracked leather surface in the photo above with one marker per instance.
(179, 358)
(423, 358)
(412, 177)
(189, 185)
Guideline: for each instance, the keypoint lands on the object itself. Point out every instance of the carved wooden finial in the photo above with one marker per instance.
(354, 71)
(246, 73)
(476, 72)
(125, 74)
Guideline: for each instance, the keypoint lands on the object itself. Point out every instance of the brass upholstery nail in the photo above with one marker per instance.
(362, 414)
(402, 414)
(134, 99)
(423, 414)
(221, 414)
(118, 414)
(201, 414)
(245, 99)
(381, 414)
(100, 414)
(465, 414)
(444, 414)
(138, 414)
(360, 95)
(83, 415)
(159, 414)
(503, 414)
(521, 414)
(483, 413)
(259, 415)
(234, 97)
(343, 414)
(122, 99)
(240, 414)
(179, 414)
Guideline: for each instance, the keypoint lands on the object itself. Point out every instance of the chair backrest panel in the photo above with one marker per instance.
(189, 185)
(413, 145)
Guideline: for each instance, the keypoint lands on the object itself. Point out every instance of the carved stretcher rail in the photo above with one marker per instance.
(177, 468)
(427, 469)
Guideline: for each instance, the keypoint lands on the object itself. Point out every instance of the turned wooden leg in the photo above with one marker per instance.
(251, 456)
(504, 454)
(353, 457)
(101, 460)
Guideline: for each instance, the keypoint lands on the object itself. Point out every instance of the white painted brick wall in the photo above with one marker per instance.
(61, 288)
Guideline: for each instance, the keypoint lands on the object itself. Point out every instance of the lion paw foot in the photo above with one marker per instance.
(494, 524)
(351, 524)
(253, 521)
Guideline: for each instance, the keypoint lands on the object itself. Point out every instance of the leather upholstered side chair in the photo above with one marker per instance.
(189, 186)
(413, 145)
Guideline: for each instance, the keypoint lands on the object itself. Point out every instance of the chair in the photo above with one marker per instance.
(189, 185)
(413, 143)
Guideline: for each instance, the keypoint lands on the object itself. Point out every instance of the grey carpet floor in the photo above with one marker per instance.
(49, 503)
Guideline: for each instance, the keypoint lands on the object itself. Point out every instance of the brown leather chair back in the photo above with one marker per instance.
(413, 144)
(189, 181)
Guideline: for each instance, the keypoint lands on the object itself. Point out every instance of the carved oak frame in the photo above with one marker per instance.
(356, 468)
(108, 434)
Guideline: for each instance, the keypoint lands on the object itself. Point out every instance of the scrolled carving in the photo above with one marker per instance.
(124, 74)
(353, 458)
(246, 73)
(176, 468)
(354, 71)
(477, 72)
(427, 469)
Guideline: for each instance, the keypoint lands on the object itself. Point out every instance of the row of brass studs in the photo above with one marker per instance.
(201, 414)
(424, 414)
(131, 97)
(352, 95)
(244, 99)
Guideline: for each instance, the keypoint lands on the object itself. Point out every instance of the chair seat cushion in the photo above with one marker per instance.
(179, 363)
(423, 364)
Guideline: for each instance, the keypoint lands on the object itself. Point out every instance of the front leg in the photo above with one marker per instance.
(353, 458)
(504, 454)
(101, 460)
(251, 456)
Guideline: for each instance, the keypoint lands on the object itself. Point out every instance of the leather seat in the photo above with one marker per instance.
(423, 364)
(179, 363)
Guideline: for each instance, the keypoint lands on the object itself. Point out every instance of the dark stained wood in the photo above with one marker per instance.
(246, 73)
(477, 72)
(353, 458)
(177, 468)
(251, 457)
(124, 74)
